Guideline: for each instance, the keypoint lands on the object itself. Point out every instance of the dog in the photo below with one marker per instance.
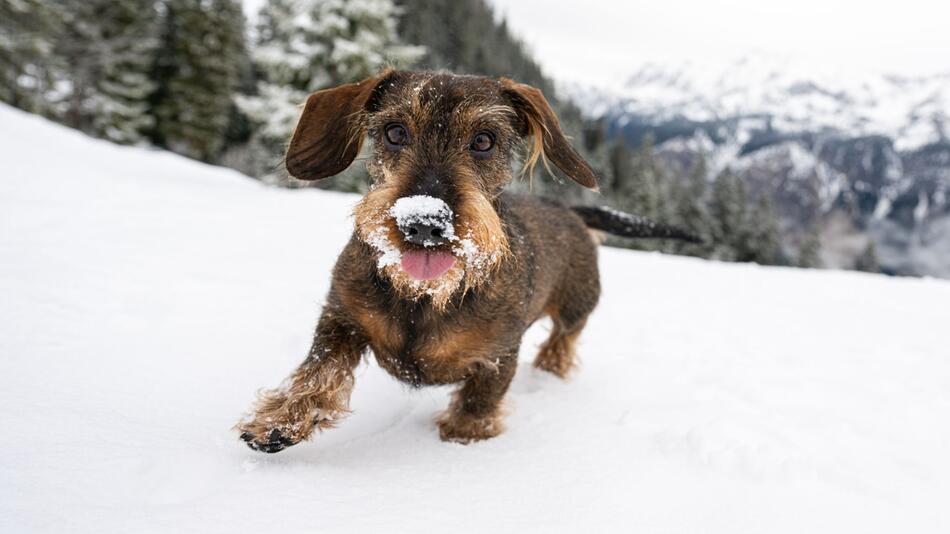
(445, 270)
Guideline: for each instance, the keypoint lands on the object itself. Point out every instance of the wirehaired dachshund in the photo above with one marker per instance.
(445, 270)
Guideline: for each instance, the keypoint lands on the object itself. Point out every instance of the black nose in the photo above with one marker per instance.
(427, 235)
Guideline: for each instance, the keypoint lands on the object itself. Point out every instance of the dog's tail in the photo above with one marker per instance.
(623, 224)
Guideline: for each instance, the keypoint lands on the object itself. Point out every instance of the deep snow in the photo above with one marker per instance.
(146, 298)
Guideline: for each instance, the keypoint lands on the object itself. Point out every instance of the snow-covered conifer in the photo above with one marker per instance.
(197, 72)
(102, 74)
(306, 45)
(27, 33)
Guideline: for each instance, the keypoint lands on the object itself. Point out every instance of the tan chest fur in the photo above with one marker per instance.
(426, 353)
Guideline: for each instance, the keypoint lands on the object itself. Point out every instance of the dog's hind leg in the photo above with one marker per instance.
(569, 311)
(316, 395)
(476, 409)
(558, 354)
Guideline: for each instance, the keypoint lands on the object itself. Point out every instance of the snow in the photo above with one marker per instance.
(423, 209)
(789, 159)
(389, 254)
(420, 208)
(147, 297)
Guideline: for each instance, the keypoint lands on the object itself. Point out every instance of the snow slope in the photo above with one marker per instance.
(146, 298)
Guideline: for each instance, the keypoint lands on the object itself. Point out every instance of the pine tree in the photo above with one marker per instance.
(640, 192)
(597, 152)
(119, 111)
(762, 244)
(620, 163)
(637, 186)
(465, 36)
(595, 135)
(868, 261)
(28, 29)
(197, 71)
(689, 202)
(728, 208)
(809, 249)
(307, 45)
(104, 51)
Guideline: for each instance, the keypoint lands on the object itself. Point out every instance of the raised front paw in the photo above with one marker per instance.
(273, 441)
(274, 431)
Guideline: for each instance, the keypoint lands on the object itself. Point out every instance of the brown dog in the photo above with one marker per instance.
(445, 271)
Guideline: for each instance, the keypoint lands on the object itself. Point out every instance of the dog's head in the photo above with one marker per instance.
(442, 149)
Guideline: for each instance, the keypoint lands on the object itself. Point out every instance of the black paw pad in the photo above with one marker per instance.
(275, 442)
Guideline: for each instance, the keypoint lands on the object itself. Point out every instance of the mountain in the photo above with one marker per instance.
(866, 155)
(146, 297)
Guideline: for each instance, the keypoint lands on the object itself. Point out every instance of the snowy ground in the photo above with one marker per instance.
(146, 298)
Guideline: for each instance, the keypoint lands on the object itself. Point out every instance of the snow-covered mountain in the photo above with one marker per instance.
(869, 150)
(788, 96)
(146, 297)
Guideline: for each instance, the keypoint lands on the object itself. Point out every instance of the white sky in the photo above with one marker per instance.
(599, 41)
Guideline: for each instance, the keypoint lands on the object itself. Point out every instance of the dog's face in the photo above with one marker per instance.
(442, 149)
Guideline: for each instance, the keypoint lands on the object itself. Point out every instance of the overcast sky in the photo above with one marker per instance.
(600, 41)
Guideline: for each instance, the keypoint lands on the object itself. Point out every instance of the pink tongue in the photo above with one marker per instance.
(425, 264)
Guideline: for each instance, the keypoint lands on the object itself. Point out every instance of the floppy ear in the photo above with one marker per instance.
(331, 128)
(549, 143)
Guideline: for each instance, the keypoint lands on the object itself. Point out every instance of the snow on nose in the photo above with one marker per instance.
(424, 220)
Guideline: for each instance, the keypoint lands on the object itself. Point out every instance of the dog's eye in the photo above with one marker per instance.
(396, 135)
(482, 142)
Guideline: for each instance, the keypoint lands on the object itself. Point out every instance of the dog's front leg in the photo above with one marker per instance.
(316, 395)
(476, 409)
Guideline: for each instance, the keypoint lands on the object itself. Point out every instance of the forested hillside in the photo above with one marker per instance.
(861, 161)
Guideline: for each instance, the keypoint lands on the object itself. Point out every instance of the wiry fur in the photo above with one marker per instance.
(316, 395)
(518, 258)
(312, 397)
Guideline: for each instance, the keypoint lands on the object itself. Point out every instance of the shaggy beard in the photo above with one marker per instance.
(478, 251)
